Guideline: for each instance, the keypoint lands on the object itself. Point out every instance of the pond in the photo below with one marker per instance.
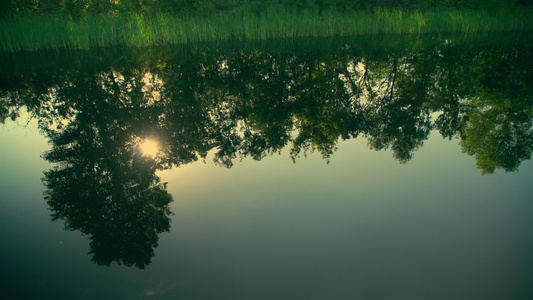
(371, 167)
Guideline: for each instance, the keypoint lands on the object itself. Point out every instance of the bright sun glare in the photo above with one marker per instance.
(149, 148)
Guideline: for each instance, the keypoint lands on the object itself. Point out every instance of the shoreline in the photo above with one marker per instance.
(34, 32)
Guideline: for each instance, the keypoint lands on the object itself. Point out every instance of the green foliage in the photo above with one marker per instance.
(79, 8)
(103, 186)
(244, 102)
(32, 32)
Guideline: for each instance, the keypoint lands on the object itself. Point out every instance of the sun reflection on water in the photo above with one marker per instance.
(149, 147)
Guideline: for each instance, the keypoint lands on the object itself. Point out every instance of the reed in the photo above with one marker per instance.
(32, 32)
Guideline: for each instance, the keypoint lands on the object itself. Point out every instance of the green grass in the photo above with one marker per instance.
(32, 32)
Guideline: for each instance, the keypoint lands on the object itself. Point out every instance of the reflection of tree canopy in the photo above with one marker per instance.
(241, 103)
(251, 103)
(499, 130)
(102, 185)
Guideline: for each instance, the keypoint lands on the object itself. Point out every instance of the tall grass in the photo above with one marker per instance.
(33, 32)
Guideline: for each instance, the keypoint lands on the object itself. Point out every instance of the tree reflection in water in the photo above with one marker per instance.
(244, 102)
(103, 185)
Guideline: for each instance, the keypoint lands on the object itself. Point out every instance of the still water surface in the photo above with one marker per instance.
(371, 168)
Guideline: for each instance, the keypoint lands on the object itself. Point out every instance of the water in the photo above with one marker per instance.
(370, 168)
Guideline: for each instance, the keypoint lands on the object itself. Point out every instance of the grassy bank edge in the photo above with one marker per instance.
(33, 32)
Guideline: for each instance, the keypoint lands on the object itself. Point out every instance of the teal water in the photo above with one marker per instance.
(370, 168)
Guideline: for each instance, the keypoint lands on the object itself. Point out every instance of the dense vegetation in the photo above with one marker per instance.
(85, 24)
(250, 101)
(78, 8)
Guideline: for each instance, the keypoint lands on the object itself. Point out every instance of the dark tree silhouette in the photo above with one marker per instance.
(103, 185)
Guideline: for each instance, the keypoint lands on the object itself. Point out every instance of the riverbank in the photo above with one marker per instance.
(38, 32)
